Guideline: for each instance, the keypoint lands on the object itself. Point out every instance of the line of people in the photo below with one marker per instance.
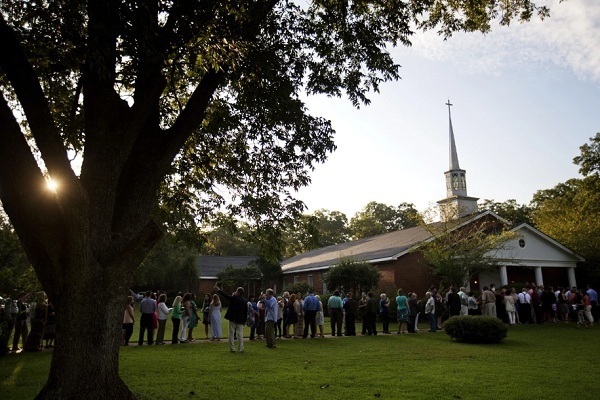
(31, 319)
(533, 304)
(272, 317)
(303, 313)
(185, 316)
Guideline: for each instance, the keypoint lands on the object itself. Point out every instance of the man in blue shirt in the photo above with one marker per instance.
(334, 304)
(310, 308)
(271, 318)
(147, 308)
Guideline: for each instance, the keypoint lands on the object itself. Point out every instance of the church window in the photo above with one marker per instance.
(455, 181)
(521, 243)
(463, 182)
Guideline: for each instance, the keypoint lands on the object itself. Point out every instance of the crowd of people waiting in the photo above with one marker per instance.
(291, 315)
(532, 304)
(31, 319)
(185, 315)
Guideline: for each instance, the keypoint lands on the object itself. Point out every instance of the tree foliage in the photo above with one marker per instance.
(298, 287)
(170, 266)
(234, 239)
(352, 276)
(16, 272)
(589, 159)
(192, 105)
(570, 212)
(377, 218)
(457, 252)
(510, 210)
(319, 229)
(233, 277)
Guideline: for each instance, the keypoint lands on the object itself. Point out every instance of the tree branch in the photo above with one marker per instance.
(134, 252)
(26, 85)
(30, 206)
(156, 148)
(159, 148)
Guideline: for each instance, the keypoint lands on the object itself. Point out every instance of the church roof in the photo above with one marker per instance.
(393, 245)
(372, 249)
(208, 267)
(375, 249)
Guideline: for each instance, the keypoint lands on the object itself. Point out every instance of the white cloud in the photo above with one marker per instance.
(569, 38)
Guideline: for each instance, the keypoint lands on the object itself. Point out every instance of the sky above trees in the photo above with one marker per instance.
(525, 98)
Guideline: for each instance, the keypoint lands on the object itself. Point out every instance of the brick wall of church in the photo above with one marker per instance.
(314, 277)
(408, 273)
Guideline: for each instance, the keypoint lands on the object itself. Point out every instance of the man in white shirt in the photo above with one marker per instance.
(524, 307)
(430, 312)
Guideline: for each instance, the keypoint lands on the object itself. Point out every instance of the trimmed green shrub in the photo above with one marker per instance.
(475, 329)
(301, 287)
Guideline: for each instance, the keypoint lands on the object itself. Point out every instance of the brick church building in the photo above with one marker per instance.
(531, 257)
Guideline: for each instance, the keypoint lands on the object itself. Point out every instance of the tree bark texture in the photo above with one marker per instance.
(85, 362)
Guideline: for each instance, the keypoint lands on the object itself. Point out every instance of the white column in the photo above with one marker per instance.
(539, 280)
(503, 276)
(572, 280)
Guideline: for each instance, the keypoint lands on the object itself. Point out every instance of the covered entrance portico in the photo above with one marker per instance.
(535, 258)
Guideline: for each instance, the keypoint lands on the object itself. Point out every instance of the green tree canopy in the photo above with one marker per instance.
(193, 105)
(230, 240)
(352, 276)
(589, 159)
(298, 287)
(570, 213)
(510, 210)
(16, 272)
(170, 266)
(233, 277)
(319, 229)
(377, 218)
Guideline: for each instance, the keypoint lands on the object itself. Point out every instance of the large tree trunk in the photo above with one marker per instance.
(85, 363)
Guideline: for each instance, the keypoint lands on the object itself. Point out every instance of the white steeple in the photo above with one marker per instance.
(453, 155)
(456, 204)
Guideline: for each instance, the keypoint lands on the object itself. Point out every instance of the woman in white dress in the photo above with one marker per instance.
(215, 318)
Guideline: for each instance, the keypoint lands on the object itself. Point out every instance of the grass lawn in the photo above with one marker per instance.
(555, 361)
